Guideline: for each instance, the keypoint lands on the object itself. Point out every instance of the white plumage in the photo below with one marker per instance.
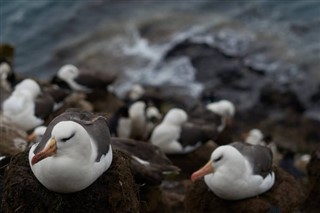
(69, 73)
(166, 134)
(20, 106)
(255, 137)
(223, 108)
(68, 161)
(230, 174)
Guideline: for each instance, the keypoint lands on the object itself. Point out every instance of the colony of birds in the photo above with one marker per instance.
(69, 144)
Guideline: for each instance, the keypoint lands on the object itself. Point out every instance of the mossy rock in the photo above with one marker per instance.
(114, 191)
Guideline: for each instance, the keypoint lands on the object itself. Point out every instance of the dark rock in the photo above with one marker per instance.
(282, 97)
(190, 49)
(114, 191)
(234, 42)
(7, 53)
(315, 97)
(285, 196)
(209, 62)
(311, 123)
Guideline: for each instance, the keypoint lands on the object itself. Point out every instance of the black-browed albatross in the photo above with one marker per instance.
(238, 171)
(73, 152)
(70, 77)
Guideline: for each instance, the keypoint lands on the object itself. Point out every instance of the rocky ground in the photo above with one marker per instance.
(280, 98)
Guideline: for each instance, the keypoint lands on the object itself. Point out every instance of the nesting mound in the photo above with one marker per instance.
(312, 204)
(153, 200)
(285, 196)
(114, 191)
(190, 162)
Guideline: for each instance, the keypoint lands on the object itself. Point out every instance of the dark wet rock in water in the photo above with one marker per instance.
(312, 203)
(210, 63)
(234, 43)
(114, 191)
(268, 92)
(315, 97)
(285, 196)
(243, 76)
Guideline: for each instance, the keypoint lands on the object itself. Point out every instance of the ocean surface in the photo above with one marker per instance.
(50, 33)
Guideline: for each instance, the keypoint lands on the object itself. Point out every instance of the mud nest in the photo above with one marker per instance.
(114, 191)
(285, 196)
(312, 204)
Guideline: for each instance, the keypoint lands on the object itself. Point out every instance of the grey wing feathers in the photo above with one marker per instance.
(260, 157)
(99, 132)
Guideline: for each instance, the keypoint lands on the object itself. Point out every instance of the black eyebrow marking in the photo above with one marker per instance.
(66, 139)
(218, 158)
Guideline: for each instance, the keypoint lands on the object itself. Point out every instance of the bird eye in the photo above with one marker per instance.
(66, 139)
(218, 158)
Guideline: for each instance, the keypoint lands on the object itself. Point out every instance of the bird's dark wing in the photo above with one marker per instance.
(260, 157)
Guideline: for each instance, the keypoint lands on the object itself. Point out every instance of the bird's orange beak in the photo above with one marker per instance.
(49, 150)
(206, 169)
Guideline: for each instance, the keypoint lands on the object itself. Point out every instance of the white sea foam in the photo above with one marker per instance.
(175, 72)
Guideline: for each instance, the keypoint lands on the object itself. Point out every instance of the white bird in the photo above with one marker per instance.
(225, 109)
(69, 73)
(69, 76)
(138, 120)
(255, 137)
(238, 171)
(74, 151)
(166, 134)
(20, 106)
(153, 117)
(136, 92)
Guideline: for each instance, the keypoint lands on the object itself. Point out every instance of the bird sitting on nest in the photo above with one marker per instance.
(237, 174)
(27, 106)
(114, 191)
(94, 85)
(166, 134)
(135, 121)
(238, 171)
(225, 109)
(177, 135)
(69, 76)
(73, 152)
(68, 170)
